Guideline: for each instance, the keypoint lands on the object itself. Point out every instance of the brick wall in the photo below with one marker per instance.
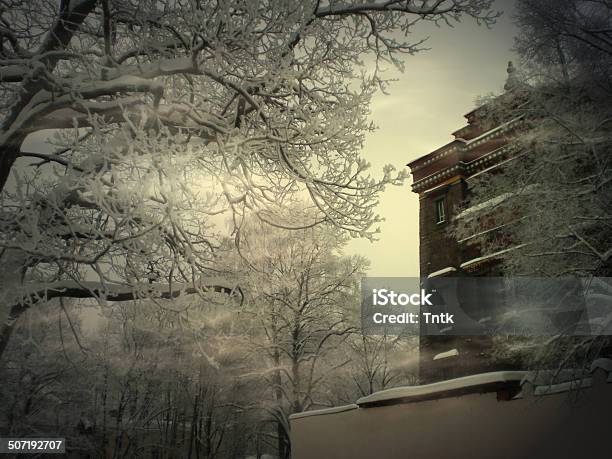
(438, 248)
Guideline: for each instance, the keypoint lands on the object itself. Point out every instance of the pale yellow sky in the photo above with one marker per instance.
(425, 105)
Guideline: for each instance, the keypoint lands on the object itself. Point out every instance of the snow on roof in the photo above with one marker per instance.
(493, 167)
(495, 201)
(447, 354)
(472, 383)
(441, 272)
(490, 230)
(434, 155)
(436, 187)
(490, 256)
(501, 127)
(336, 409)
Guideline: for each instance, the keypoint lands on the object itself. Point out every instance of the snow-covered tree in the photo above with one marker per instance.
(551, 202)
(158, 115)
(303, 299)
(561, 40)
(554, 196)
(379, 362)
(143, 373)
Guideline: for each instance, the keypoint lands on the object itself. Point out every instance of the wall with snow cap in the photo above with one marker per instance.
(493, 415)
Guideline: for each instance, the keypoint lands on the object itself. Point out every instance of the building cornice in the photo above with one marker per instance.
(462, 145)
(461, 168)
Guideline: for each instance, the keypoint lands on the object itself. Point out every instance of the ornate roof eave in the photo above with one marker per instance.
(465, 145)
(461, 169)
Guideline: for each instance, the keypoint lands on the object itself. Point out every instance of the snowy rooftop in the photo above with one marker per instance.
(491, 256)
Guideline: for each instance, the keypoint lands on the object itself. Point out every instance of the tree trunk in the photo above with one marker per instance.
(8, 155)
(297, 384)
(563, 62)
(283, 450)
(282, 443)
(69, 20)
(9, 325)
(194, 423)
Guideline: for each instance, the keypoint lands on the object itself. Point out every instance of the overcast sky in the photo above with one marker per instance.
(424, 107)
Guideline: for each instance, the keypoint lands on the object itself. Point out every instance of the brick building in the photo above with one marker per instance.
(443, 179)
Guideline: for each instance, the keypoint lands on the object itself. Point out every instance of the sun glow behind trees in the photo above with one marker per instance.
(268, 98)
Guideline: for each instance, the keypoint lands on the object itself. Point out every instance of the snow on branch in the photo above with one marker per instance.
(117, 292)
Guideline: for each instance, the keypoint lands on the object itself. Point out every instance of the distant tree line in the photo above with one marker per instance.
(204, 376)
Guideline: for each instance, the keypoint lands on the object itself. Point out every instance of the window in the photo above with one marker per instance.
(440, 211)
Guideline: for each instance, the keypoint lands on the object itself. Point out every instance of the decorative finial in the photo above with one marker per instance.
(511, 80)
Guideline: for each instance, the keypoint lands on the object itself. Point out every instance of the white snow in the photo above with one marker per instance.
(487, 257)
(495, 201)
(501, 127)
(493, 167)
(443, 271)
(551, 377)
(447, 354)
(104, 291)
(336, 409)
(429, 190)
(485, 205)
(153, 69)
(490, 230)
(439, 388)
(563, 387)
(605, 364)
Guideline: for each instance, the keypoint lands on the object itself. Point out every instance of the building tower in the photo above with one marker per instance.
(442, 179)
